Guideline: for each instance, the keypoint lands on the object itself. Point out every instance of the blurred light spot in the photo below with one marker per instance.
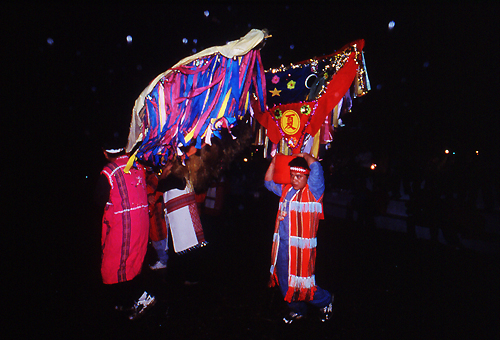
(206, 13)
(373, 166)
(195, 41)
(379, 87)
(279, 57)
(391, 25)
(193, 50)
(50, 41)
(245, 159)
(426, 64)
(446, 151)
(129, 39)
(292, 47)
(184, 41)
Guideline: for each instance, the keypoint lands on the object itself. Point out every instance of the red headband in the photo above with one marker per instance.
(297, 169)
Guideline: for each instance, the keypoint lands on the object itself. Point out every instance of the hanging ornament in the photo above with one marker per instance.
(305, 110)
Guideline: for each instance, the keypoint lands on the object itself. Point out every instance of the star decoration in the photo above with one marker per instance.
(275, 92)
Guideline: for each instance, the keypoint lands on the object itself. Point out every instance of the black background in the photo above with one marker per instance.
(434, 80)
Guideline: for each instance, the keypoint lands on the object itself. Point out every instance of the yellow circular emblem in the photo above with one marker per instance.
(290, 122)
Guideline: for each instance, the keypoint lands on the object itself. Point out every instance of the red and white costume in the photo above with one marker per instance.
(125, 224)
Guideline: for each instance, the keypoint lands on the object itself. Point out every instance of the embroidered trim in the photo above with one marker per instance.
(180, 202)
(303, 243)
(135, 208)
(306, 206)
(112, 174)
(199, 245)
(302, 282)
(116, 169)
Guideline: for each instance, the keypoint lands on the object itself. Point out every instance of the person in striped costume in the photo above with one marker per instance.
(294, 242)
(125, 228)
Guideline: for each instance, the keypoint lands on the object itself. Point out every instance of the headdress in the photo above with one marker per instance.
(299, 169)
(114, 150)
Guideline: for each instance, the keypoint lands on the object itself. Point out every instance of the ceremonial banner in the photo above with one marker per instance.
(303, 95)
(187, 104)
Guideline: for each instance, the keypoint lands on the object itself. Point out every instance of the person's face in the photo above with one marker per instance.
(298, 179)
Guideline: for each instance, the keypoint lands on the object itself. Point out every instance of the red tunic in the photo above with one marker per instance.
(125, 223)
(303, 214)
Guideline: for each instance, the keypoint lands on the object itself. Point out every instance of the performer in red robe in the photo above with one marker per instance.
(294, 241)
(125, 228)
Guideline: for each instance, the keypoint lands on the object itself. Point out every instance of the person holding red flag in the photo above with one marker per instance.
(294, 241)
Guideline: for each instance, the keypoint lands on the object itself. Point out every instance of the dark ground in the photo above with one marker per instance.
(385, 286)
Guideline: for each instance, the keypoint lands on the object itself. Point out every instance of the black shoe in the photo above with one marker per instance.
(292, 317)
(326, 312)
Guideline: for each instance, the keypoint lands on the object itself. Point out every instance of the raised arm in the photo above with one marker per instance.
(309, 159)
(270, 171)
(316, 180)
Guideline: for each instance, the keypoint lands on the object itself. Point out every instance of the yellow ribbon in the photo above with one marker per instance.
(130, 162)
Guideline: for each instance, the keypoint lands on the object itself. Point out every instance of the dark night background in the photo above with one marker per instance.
(70, 77)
